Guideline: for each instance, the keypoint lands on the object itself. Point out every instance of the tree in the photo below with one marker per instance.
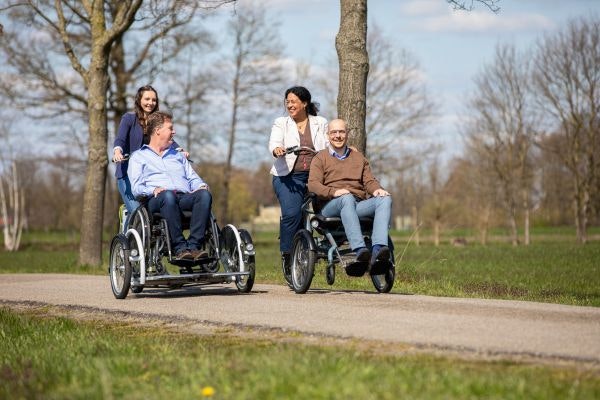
(90, 33)
(351, 47)
(567, 85)
(502, 132)
(254, 76)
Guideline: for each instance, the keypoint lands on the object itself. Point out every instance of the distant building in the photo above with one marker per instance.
(267, 218)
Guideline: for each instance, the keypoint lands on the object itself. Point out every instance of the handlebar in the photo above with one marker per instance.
(126, 157)
(298, 149)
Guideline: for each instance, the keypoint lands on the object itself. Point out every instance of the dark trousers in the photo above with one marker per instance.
(171, 204)
(290, 190)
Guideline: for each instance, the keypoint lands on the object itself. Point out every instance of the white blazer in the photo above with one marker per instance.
(285, 134)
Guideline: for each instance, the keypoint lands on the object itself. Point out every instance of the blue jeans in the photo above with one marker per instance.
(290, 190)
(171, 204)
(129, 200)
(350, 210)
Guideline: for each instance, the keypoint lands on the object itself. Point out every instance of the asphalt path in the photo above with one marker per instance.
(511, 329)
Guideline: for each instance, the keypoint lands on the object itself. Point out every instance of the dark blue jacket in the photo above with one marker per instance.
(129, 138)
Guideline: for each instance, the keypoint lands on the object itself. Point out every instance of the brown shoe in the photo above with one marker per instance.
(184, 255)
(199, 254)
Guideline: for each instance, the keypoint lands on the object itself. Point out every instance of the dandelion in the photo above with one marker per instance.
(207, 391)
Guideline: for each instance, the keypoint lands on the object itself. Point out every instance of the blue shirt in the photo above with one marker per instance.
(172, 171)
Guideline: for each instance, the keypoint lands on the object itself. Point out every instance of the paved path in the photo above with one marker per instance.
(471, 326)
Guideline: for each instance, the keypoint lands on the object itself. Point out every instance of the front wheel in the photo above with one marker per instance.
(235, 259)
(303, 261)
(383, 283)
(120, 267)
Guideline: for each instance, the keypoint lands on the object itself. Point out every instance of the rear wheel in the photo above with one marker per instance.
(303, 261)
(120, 267)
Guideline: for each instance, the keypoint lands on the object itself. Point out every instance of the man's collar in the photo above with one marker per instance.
(336, 155)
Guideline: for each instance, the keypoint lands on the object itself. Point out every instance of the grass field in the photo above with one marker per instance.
(58, 358)
(552, 269)
(55, 357)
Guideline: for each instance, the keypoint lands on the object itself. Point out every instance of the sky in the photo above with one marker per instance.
(450, 46)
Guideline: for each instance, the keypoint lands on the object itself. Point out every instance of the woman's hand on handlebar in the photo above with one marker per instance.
(279, 152)
(119, 157)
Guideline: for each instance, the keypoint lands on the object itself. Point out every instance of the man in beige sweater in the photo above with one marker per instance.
(342, 177)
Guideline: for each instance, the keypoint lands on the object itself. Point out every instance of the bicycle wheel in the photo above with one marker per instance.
(303, 261)
(245, 283)
(234, 258)
(383, 283)
(211, 245)
(139, 251)
(119, 267)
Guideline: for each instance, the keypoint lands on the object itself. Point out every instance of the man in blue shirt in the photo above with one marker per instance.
(163, 174)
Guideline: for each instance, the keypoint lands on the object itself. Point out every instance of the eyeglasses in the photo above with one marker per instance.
(340, 131)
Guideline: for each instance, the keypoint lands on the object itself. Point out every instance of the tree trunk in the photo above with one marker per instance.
(415, 217)
(90, 246)
(12, 215)
(580, 216)
(230, 147)
(514, 234)
(483, 236)
(351, 46)
(526, 207)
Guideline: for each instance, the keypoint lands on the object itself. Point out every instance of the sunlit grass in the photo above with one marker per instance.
(56, 358)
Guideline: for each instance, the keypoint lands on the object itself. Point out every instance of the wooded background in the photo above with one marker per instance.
(70, 69)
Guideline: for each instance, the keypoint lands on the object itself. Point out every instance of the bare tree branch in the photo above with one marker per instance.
(467, 5)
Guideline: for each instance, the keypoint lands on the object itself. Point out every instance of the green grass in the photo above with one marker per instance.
(555, 269)
(57, 358)
(548, 271)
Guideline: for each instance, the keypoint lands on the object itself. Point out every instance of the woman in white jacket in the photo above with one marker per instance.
(302, 127)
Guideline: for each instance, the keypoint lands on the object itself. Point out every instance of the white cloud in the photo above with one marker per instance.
(424, 7)
(478, 21)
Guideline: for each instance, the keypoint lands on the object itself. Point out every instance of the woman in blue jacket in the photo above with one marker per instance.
(130, 137)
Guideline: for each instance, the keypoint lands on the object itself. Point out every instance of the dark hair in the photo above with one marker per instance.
(304, 96)
(156, 120)
(139, 112)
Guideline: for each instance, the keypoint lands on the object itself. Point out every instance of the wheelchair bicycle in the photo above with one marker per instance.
(324, 238)
(140, 252)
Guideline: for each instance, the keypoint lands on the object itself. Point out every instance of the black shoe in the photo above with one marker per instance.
(380, 261)
(363, 255)
(380, 254)
(184, 255)
(357, 268)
